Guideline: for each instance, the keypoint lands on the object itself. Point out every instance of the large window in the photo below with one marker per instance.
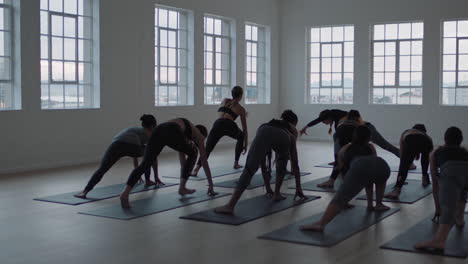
(173, 67)
(257, 64)
(7, 86)
(218, 54)
(455, 63)
(67, 66)
(397, 51)
(331, 65)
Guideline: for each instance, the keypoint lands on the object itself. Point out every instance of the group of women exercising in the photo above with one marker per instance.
(356, 160)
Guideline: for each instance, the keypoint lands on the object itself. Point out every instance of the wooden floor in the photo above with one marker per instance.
(39, 232)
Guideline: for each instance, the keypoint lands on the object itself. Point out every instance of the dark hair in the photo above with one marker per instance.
(237, 92)
(420, 127)
(148, 121)
(361, 135)
(325, 115)
(202, 130)
(453, 136)
(289, 116)
(354, 115)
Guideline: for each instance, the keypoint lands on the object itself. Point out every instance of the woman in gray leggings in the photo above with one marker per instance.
(361, 167)
(450, 187)
(279, 135)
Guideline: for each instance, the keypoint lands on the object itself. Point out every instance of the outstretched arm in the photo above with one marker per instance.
(295, 165)
(435, 185)
(200, 142)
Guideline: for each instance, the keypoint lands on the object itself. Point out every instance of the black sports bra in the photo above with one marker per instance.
(229, 111)
(279, 124)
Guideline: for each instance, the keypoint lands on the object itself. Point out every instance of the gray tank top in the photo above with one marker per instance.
(132, 135)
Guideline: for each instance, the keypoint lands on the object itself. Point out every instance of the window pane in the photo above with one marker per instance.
(349, 49)
(391, 31)
(405, 63)
(450, 29)
(338, 34)
(463, 78)
(405, 79)
(449, 62)
(349, 33)
(70, 71)
(379, 64)
(463, 28)
(326, 50)
(70, 7)
(379, 48)
(418, 30)
(416, 47)
(416, 63)
(463, 46)
(379, 32)
(390, 48)
(57, 48)
(450, 46)
(315, 35)
(325, 34)
(463, 63)
(404, 31)
(405, 48)
(315, 50)
(56, 5)
(69, 27)
(389, 79)
(57, 25)
(70, 49)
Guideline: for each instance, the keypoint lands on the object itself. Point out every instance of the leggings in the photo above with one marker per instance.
(363, 172)
(267, 138)
(412, 146)
(343, 136)
(453, 182)
(224, 127)
(167, 134)
(114, 152)
(380, 141)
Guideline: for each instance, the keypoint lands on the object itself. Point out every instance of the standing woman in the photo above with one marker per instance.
(182, 136)
(129, 142)
(225, 125)
(414, 143)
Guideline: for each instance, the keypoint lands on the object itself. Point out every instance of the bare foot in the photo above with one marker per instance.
(317, 227)
(460, 220)
(149, 184)
(124, 202)
(412, 167)
(326, 184)
(237, 166)
(332, 163)
(184, 191)
(81, 195)
(425, 180)
(381, 207)
(394, 194)
(224, 210)
(431, 245)
(278, 197)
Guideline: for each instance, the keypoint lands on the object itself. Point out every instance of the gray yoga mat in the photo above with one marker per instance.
(393, 168)
(215, 172)
(411, 192)
(456, 246)
(257, 181)
(312, 185)
(153, 205)
(97, 194)
(248, 210)
(346, 224)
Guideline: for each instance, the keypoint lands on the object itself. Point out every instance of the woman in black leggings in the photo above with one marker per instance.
(127, 143)
(225, 125)
(182, 136)
(361, 168)
(414, 143)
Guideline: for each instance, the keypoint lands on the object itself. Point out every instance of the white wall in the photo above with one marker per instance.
(298, 15)
(32, 138)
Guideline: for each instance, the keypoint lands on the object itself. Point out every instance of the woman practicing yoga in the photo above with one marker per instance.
(414, 142)
(225, 125)
(376, 138)
(182, 136)
(450, 187)
(450, 151)
(127, 143)
(279, 135)
(362, 168)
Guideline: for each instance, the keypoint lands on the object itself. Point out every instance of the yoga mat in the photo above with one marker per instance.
(97, 194)
(153, 205)
(411, 192)
(312, 185)
(393, 168)
(346, 224)
(257, 181)
(248, 210)
(456, 245)
(215, 172)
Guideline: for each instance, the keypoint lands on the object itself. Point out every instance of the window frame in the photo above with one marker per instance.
(397, 56)
(13, 101)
